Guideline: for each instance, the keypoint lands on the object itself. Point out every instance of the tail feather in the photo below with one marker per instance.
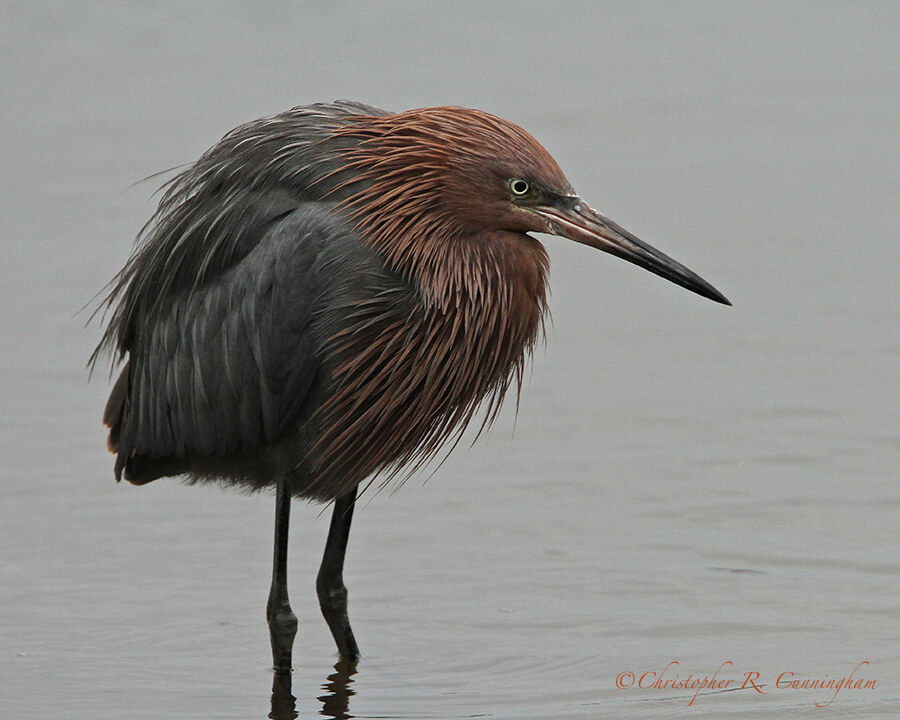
(115, 406)
(136, 469)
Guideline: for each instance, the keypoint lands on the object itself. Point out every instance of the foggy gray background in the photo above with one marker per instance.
(685, 482)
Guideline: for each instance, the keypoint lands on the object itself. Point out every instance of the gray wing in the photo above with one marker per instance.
(226, 366)
(210, 215)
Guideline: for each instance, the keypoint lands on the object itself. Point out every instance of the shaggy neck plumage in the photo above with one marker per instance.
(481, 300)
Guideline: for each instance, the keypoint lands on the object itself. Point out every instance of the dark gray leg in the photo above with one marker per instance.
(330, 581)
(282, 621)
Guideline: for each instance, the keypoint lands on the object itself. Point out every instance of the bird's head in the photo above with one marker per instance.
(440, 173)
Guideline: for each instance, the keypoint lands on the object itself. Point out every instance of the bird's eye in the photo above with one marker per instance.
(519, 187)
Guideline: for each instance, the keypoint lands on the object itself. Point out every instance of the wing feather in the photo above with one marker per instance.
(227, 367)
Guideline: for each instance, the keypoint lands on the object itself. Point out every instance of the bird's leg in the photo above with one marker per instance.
(330, 581)
(282, 621)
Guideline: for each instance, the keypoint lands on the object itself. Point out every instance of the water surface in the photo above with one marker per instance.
(684, 482)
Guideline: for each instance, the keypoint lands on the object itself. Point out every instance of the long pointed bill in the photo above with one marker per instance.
(577, 221)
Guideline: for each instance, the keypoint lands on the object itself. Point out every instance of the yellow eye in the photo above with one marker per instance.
(519, 187)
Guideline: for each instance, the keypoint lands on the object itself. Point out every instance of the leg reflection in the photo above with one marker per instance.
(283, 702)
(336, 700)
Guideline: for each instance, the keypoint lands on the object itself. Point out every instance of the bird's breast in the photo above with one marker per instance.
(407, 373)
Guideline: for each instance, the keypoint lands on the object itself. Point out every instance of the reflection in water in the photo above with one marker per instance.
(283, 702)
(335, 701)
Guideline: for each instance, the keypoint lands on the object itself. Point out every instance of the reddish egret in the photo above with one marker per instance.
(327, 296)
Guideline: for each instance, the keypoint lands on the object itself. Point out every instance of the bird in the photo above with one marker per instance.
(326, 298)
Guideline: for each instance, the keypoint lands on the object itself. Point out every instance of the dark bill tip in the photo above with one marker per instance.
(579, 222)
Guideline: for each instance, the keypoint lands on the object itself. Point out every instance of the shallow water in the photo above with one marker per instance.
(684, 483)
